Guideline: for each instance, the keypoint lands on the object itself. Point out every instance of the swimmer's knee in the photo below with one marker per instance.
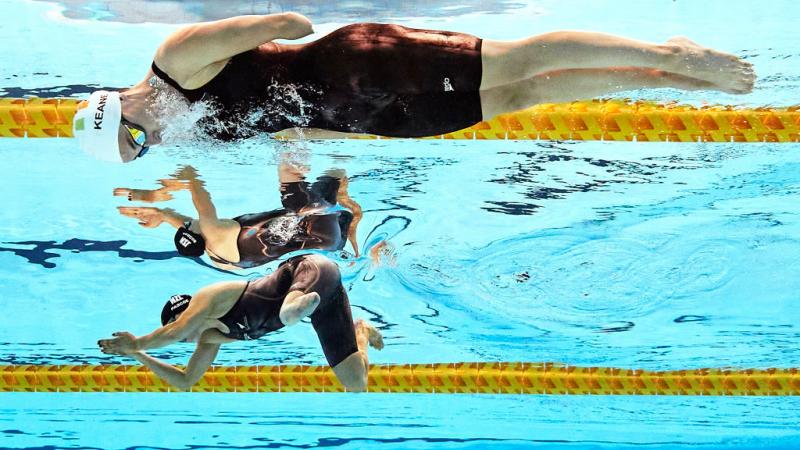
(353, 372)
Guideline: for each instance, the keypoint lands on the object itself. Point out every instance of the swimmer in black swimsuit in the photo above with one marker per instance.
(378, 78)
(309, 219)
(303, 286)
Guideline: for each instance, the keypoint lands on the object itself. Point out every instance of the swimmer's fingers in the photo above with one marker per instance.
(122, 343)
(159, 195)
(134, 195)
(146, 217)
(172, 184)
(107, 346)
(150, 222)
(128, 211)
(137, 211)
(132, 211)
(122, 192)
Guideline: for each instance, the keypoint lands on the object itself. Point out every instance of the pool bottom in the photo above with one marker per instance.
(349, 421)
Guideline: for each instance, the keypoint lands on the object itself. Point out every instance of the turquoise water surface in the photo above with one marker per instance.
(657, 256)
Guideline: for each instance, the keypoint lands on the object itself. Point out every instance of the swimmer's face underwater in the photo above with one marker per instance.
(133, 140)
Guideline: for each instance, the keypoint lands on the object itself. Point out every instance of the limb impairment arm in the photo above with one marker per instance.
(202, 201)
(209, 42)
(185, 378)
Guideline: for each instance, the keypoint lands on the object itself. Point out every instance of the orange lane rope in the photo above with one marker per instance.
(611, 120)
(488, 378)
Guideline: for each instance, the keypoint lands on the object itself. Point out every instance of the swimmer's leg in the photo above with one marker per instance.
(298, 306)
(507, 62)
(580, 84)
(352, 371)
(344, 199)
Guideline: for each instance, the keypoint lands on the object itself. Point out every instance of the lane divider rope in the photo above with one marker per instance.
(475, 377)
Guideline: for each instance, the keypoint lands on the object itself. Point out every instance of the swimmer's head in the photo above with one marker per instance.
(189, 242)
(174, 307)
(102, 131)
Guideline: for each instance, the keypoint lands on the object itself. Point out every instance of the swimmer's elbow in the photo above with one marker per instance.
(296, 25)
(185, 387)
(186, 383)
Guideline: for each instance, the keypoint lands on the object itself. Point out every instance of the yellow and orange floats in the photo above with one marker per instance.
(37, 117)
(445, 378)
(609, 120)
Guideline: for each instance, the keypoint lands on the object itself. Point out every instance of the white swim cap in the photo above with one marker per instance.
(96, 126)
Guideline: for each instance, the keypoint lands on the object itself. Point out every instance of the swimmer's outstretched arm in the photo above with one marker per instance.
(190, 323)
(192, 48)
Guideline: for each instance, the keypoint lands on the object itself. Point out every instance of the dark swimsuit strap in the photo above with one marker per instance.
(191, 94)
(218, 259)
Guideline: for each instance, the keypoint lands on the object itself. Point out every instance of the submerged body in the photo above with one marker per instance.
(364, 78)
(382, 79)
(311, 218)
(308, 220)
(303, 286)
(257, 311)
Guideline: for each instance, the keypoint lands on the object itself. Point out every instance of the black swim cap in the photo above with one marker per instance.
(188, 242)
(174, 306)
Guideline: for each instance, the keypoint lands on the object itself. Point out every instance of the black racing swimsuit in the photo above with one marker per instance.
(364, 78)
(257, 311)
(269, 235)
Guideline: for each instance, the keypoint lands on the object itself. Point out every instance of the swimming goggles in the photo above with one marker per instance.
(138, 135)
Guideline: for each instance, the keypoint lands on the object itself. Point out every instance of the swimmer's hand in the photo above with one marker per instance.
(123, 343)
(144, 195)
(185, 173)
(148, 217)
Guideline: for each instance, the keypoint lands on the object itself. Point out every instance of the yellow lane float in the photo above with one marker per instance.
(444, 378)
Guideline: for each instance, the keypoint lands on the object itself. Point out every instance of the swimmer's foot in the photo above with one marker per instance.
(674, 80)
(726, 71)
(299, 308)
(373, 335)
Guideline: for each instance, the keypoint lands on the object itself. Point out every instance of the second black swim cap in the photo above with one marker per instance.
(189, 243)
(174, 306)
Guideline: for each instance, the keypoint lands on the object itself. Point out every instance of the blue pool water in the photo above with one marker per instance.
(656, 256)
